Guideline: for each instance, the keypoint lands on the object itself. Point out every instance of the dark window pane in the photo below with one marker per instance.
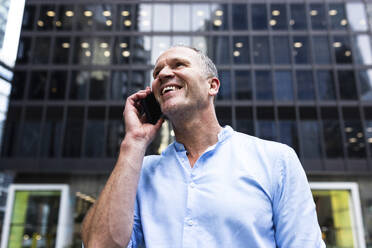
(224, 116)
(85, 15)
(115, 131)
(98, 85)
(281, 50)
(51, 133)
(41, 51)
(46, 17)
(73, 132)
(103, 14)
(94, 132)
(365, 80)
(18, 85)
(305, 85)
(318, 16)
(219, 17)
(122, 50)
(243, 85)
(139, 80)
(298, 16)
(66, 16)
(266, 129)
(332, 138)
(288, 133)
(82, 50)
(30, 137)
(326, 87)
(57, 85)
(259, 16)
(61, 50)
(346, 81)
(368, 132)
(337, 16)
(37, 85)
(283, 85)
(24, 50)
(241, 50)
(263, 85)
(225, 88)
(141, 50)
(310, 139)
(342, 49)
(354, 139)
(28, 17)
(301, 50)
(261, 50)
(101, 51)
(124, 17)
(11, 133)
(239, 16)
(244, 120)
(321, 50)
(279, 19)
(220, 50)
(78, 86)
(119, 85)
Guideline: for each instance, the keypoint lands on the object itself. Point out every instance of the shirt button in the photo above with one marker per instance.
(192, 185)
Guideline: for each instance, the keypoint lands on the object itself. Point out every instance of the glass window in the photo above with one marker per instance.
(181, 40)
(145, 17)
(225, 88)
(224, 115)
(321, 50)
(139, 80)
(317, 16)
(161, 21)
(36, 90)
(342, 48)
(354, 133)
(200, 17)
(326, 87)
(85, 15)
(57, 85)
(103, 17)
(115, 131)
(12, 132)
(124, 17)
(239, 16)
(261, 50)
(362, 49)
(46, 17)
(266, 129)
(301, 50)
(278, 19)
(98, 85)
(281, 50)
(94, 132)
(41, 50)
(141, 50)
(65, 17)
(181, 17)
(122, 49)
(24, 50)
(219, 17)
(356, 16)
(119, 85)
(244, 120)
(30, 137)
(305, 85)
(241, 50)
(368, 132)
(263, 85)
(52, 132)
(243, 85)
(200, 42)
(78, 85)
(259, 16)
(346, 81)
(101, 51)
(287, 127)
(61, 50)
(18, 85)
(28, 17)
(332, 133)
(83, 50)
(159, 45)
(337, 16)
(220, 52)
(298, 16)
(283, 85)
(72, 139)
(365, 80)
(310, 139)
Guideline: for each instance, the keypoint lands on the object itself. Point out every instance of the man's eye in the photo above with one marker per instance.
(179, 64)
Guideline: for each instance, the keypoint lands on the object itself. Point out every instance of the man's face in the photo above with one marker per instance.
(179, 81)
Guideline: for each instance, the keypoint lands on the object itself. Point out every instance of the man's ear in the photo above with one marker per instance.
(214, 86)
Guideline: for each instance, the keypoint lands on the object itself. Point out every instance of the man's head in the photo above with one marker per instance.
(184, 80)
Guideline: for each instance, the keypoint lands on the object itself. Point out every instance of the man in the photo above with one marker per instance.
(213, 187)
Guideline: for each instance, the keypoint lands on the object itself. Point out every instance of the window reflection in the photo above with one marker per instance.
(219, 14)
(57, 85)
(298, 14)
(161, 21)
(141, 50)
(224, 92)
(24, 50)
(41, 51)
(220, 50)
(261, 50)
(332, 133)
(159, 45)
(200, 17)
(119, 85)
(83, 50)
(281, 50)
(200, 42)
(144, 17)
(368, 132)
(28, 17)
(365, 80)
(12, 132)
(321, 50)
(66, 15)
(263, 85)
(115, 131)
(72, 139)
(78, 86)
(318, 17)
(362, 49)
(122, 49)
(52, 131)
(124, 17)
(37, 85)
(181, 40)
(101, 51)
(326, 87)
(346, 81)
(244, 120)
(85, 15)
(181, 17)
(138, 80)
(310, 139)
(259, 16)
(61, 50)
(98, 85)
(354, 133)
(94, 132)
(342, 48)
(278, 19)
(356, 16)
(283, 85)
(288, 127)
(46, 17)
(103, 17)
(239, 16)
(337, 16)
(266, 126)
(30, 137)
(18, 85)
(241, 50)
(305, 85)
(243, 85)
(301, 50)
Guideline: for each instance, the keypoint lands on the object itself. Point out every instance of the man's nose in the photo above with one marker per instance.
(165, 73)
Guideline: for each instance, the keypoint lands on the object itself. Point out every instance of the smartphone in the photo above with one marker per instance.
(151, 108)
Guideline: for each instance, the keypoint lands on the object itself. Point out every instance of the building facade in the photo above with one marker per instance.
(297, 72)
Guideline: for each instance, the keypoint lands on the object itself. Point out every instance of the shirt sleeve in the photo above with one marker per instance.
(136, 240)
(295, 219)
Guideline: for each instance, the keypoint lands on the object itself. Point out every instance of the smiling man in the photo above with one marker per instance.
(212, 187)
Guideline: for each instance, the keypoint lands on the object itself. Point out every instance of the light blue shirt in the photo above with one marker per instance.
(242, 192)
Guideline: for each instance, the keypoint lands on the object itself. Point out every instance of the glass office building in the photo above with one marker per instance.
(297, 72)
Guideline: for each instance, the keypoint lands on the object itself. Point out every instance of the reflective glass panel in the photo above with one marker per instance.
(288, 133)
(181, 17)
(239, 16)
(159, 45)
(98, 85)
(57, 85)
(115, 131)
(368, 132)
(244, 120)
(18, 85)
(85, 15)
(144, 17)
(362, 49)
(124, 17)
(241, 50)
(263, 85)
(354, 139)
(220, 49)
(321, 50)
(259, 16)
(104, 17)
(46, 17)
(266, 129)
(326, 87)
(162, 17)
(243, 85)
(51, 132)
(36, 90)
(141, 50)
(41, 50)
(200, 42)
(200, 17)
(337, 16)
(298, 14)
(61, 50)
(11, 132)
(122, 50)
(342, 48)
(94, 132)
(28, 17)
(305, 85)
(310, 139)
(332, 138)
(301, 50)
(83, 50)
(66, 16)
(356, 16)
(261, 50)
(119, 85)
(365, 80)
(224, 92)
(24, 50)
(281, 50)
(318, 17)
(278, 17)
(101, 52)
(219, 13)
(139, 80)
(346, 81)
(79, 85)
(224, 115)
(181, 40)
(283, 85)
(72, 139)
(30, 137)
